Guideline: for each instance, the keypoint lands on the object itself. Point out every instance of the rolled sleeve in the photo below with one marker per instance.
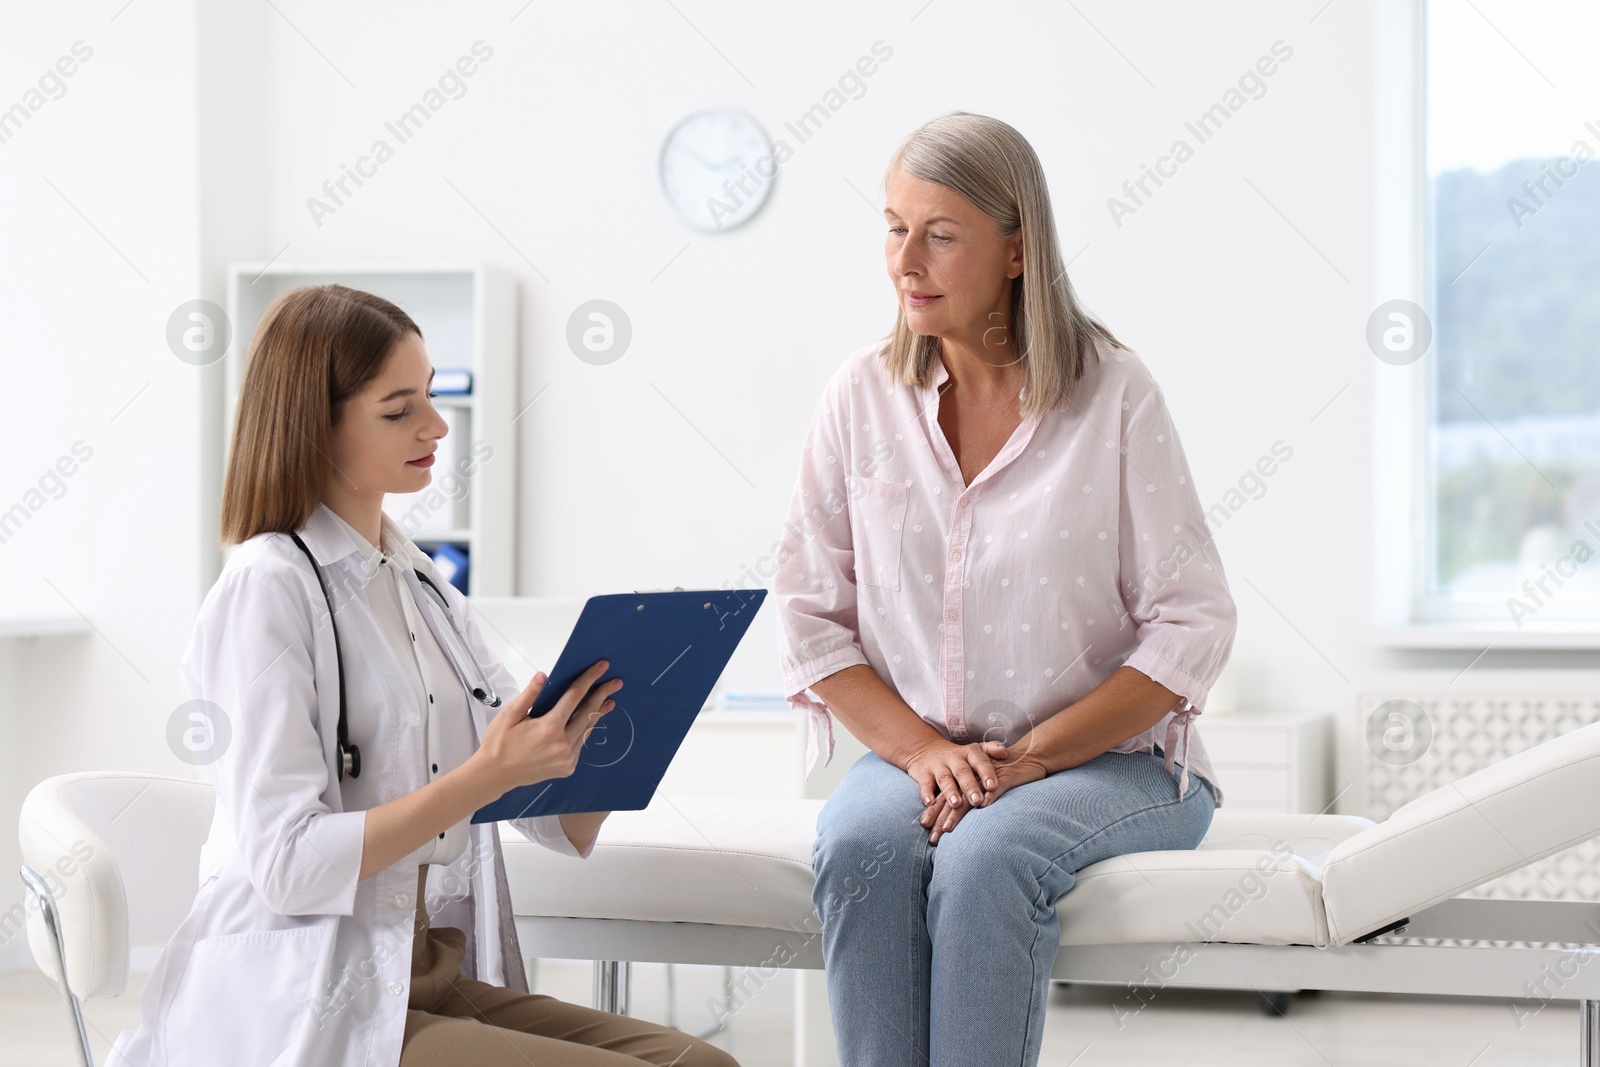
(1171, 576)
(814, 587)
(547, 830)
(543, 830)
(251, 660)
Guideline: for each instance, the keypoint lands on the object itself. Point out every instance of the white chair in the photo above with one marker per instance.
(111, 861)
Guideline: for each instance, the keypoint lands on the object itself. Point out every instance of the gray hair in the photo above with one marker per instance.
(992, 165)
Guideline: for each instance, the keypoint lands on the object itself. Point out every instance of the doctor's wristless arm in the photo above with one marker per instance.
(515, 751)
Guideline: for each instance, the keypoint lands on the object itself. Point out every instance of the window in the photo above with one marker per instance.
(1508, 458)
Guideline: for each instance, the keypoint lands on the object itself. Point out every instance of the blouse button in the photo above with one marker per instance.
(955, 556)
(395, 989)
(412, 720)
(401, 900)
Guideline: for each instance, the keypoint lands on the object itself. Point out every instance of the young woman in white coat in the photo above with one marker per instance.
(349, 912)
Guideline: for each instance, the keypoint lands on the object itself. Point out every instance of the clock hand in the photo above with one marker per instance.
(689, 151)
(707, 163)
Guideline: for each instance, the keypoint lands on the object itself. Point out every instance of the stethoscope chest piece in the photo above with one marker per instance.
(349, 761)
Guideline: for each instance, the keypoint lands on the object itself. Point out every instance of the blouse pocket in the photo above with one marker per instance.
(882, 508)
(242, 998)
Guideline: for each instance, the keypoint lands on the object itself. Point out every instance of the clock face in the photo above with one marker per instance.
(717, 168)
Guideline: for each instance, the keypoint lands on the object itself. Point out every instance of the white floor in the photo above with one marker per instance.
(1087, 1026)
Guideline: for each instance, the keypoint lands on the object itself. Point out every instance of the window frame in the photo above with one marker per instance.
(1404, 614)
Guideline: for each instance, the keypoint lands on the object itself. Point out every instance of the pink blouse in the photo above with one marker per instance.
(990, 607)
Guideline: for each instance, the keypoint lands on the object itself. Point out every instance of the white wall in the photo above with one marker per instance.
(193, 139)
(101, 242)
(555, 142)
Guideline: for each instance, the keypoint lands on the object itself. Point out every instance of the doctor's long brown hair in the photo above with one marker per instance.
(316, 347)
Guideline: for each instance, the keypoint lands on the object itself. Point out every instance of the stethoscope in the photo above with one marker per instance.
(350, 755)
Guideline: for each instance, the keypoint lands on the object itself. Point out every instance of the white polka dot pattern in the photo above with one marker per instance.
(888, 558)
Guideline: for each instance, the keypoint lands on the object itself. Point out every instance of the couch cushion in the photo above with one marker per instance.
(1254, 879)
(732, 862)
(1505, 816)
(748, 863)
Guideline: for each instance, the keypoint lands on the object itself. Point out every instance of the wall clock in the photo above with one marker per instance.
(716, 168)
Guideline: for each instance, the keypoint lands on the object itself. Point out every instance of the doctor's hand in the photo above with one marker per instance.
(1012, 768)
(517, 750)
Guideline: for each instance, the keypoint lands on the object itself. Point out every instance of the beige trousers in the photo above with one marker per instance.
(452, 1019)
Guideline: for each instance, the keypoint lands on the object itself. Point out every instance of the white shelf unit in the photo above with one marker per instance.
(1271, 762)
(468, 317)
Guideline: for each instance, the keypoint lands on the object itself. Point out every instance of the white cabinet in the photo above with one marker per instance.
(1270, 762)
(467, 315)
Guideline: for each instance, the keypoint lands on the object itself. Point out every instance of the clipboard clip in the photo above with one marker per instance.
(674, 589)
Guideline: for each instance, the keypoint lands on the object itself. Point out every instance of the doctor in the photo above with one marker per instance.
(348, 912)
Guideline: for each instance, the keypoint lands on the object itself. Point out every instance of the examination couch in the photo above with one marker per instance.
(1267, 902)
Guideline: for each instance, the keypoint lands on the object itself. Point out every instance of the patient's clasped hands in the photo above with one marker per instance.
(955, 778)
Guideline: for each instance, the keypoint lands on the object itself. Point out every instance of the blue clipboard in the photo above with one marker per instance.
(669, 649)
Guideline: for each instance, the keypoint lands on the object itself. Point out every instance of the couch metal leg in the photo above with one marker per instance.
(721, 1020)
(611, 982)
(1589, 1033)
(47, 909)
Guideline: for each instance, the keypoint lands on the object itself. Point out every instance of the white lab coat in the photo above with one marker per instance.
(287, 957)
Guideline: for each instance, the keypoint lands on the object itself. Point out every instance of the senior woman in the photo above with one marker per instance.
(995, 572)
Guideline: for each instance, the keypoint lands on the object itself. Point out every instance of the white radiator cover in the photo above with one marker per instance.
(1471, 730)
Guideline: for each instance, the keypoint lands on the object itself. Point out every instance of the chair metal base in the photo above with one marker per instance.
(40, 889)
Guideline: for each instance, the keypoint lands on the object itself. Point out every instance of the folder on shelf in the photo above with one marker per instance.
(452, 380)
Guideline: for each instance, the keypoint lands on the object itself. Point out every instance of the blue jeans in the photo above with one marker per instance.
(942, 955)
